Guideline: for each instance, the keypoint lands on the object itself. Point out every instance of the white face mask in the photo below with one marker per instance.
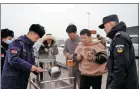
(8, 41)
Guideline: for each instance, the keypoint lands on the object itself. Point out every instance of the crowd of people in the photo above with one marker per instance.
(90, 57)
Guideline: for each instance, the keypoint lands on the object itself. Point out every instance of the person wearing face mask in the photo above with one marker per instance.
(90, 65)
(20, 60)
(6, 39)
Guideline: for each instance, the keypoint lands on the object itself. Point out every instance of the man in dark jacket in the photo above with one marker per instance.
(122, 71)
(6, 39)
(20, 60)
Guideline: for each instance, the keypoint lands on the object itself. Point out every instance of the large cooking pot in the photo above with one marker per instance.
(54, 72)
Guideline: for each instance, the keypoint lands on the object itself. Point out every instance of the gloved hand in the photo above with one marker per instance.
(50, 49)
(46, 50)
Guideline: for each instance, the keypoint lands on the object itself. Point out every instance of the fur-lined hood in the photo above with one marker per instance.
(46, 37)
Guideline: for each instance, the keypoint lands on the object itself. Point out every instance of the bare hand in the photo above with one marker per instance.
(39, 69)
(34, 68)
(70, 57)
(79, 57)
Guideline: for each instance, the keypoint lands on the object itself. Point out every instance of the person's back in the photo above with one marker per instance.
(129, 79)
(131, 69)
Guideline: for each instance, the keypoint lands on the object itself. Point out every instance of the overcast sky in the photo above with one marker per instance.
(56, 17)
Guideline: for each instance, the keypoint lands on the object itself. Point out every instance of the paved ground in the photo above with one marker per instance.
(65, 74)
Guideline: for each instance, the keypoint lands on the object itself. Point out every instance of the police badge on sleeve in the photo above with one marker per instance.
(119, 48)
(13, 51)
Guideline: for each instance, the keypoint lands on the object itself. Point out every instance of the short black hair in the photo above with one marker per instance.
(71, 29)
(37, 28)
(85, 31)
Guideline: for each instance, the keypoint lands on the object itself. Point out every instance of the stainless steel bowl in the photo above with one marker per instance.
(54, 72)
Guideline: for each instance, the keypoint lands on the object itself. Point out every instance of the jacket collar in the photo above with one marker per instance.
(120, 27)
(27, 40)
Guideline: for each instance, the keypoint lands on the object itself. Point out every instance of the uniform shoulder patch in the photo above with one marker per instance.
(117, 34)
(119, 48)
(13, 51)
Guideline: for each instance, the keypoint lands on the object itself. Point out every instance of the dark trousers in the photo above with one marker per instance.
(41, 74)
(74, 72)
(87, 81)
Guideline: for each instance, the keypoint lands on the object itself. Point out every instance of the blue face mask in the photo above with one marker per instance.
(8, 41)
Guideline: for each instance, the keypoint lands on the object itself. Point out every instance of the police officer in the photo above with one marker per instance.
(122, 71)
(19, 61)
(6, 39)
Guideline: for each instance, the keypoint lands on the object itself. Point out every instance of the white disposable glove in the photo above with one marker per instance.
(50, 49)
(46, 50)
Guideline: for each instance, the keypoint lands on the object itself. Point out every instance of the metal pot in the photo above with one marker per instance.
(54, 72)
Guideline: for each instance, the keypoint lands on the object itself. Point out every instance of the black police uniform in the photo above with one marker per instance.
(122, 71)
(4, 48)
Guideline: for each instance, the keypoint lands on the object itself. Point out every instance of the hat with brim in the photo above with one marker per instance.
(108, 19)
